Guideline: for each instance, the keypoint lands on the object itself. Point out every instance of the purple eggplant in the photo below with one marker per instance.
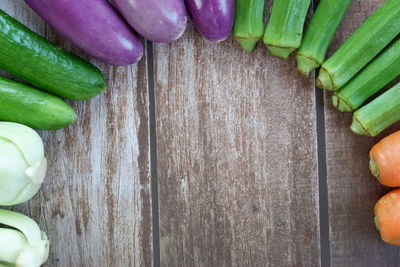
(160, 21)
(212, 18)
(94, 26)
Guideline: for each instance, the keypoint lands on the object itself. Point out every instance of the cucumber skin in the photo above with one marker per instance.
(321, 30)
(362, 46)
(285, 27)
(32, 58)
(379, 114)
(37, 109)
(381, 71)
(248, 28)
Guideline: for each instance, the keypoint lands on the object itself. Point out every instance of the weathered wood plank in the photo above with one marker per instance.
(236, 138)
(95, 203)
(353, 191)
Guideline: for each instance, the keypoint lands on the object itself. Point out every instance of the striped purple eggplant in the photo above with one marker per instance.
(212, 18)
(160, 21)
(94, 26)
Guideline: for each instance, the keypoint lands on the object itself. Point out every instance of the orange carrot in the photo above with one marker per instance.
(385, 160)
(387, 217)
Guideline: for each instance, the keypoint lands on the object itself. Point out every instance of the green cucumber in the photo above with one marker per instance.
(379, 114)
(381, 71)
(249, 23)
(319, 34)
(32, 58)
(284, 31)
(37, 109)
(362, 46)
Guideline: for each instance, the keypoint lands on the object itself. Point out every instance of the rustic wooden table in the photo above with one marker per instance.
(204, 155)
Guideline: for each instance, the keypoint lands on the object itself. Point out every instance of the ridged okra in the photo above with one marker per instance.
(381, 71)
(362, 46)
(249, 23)
(379, 114)
(319, 34)
(284, 31)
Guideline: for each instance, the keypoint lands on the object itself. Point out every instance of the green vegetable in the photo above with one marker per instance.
(22, 163)
(379, 114)
(40, 110)
(319, 34)
(32, 58)
(363, 45)
(381, 71)
(22, 243)
(249, 23)
(285, 27)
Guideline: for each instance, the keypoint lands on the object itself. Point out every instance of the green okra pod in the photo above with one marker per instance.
(362, 46)
(284, 31)
(249, 23)
(379, 114)
(319, 34)
(381, 71)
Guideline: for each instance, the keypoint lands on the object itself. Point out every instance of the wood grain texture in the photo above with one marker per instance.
(95, 203)
(353, 191)
(236, 139)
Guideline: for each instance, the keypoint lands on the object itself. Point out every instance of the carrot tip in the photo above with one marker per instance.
(374, 168)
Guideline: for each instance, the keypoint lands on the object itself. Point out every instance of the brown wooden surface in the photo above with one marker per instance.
(353, 191)
(234, 152)
(236, 157)
(95, 203)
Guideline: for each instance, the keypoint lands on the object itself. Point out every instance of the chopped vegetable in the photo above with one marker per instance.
(93, 26)
(319, 34)
(376, 116)
(284, 30)
(385, 160)
(248, 28)
(32, 58)
(22, 243)
(37, 109)
(212, 18)
(387, 217)
(362, 46)
(159, 21)
(381, 71)
(22, 163)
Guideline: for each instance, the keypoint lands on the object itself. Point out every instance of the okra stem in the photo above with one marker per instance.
(285, 27)
(362, 46)
(381, 71)
(319, 34)
(376, 116)
(249, 23)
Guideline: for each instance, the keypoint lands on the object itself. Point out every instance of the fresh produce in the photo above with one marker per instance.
(248, 28)
(385, 160)
(32, 58)
(285, 27)
(158, 21)
(362, 46)
(387, 217)
(379, 114)
(22, 243)
(319, 34)
(22, 163)
(378, 73)
(212, 18)
(37, 109)
(93, 26)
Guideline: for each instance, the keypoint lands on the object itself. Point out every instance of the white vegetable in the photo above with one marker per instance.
(22, 243)
(22, 163)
